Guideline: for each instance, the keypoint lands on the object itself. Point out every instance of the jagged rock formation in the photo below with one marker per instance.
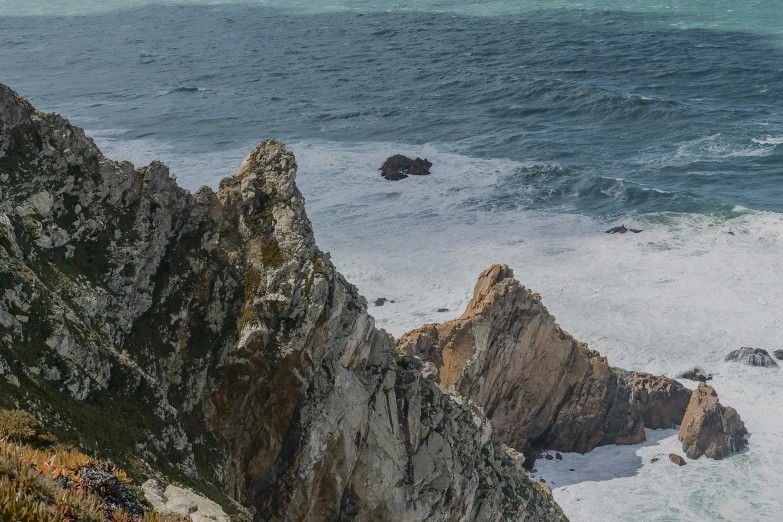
(752, 357)
(207, 334)
(709, 428)
(540, 387)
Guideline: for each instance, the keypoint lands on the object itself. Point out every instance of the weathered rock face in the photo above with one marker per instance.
(207, 334)
(709, 428)
(540, 387)
(752, 357)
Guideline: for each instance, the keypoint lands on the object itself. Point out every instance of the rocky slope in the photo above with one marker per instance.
(206, 335)
(541, 388)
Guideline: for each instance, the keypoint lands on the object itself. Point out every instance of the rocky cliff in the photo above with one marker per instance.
(207, 336)
(541, 388)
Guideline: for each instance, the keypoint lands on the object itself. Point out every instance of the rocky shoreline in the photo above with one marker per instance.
(205, 338)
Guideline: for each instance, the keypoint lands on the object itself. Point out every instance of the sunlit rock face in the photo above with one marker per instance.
(539, 386)
(207, 334)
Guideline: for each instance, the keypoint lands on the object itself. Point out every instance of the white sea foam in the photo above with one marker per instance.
(683, 293)
(769, 140)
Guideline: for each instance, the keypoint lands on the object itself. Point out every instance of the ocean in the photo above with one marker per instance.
(547, 122)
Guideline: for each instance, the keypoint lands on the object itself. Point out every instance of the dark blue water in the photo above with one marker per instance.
(611, 112)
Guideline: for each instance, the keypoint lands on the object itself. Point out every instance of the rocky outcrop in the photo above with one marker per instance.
(539, 386)
(209, 336)
(710, 429)
(399, 167)
(752, 357)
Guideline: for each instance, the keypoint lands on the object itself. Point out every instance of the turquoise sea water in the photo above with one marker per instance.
(547, 122)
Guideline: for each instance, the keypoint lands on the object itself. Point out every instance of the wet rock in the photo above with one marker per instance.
(399, 167)
(677, 459)
(695, 374)
(548, 457)
(752, 357)
(622, 230)
(710, 429)
(779, 354)
(443, 310)
(380, 301)
(654, 460)
(558, 456)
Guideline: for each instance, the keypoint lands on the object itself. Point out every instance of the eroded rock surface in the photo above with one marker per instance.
(709, 428)
(539, 386)
(207, 334)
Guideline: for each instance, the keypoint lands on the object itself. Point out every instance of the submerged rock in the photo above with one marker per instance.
(752, 357)
(399, 167)
(695, 375)
(380, 301)
(539, 386)
(622, 230)
(710, 429)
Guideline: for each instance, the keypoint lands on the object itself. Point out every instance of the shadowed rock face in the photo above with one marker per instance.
(710, 429)
(207, 334)
(540, 387)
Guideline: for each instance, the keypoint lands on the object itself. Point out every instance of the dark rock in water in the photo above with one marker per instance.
(677, 459)
(731, 233)
(779, 354)
(654, 460)
(558, 456)
(549, 457)
(622, 230)
(399, 167)
(695, 375)
(752, 357)
(443, 309)
(381, 301)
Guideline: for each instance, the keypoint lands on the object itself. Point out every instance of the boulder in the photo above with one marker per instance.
(752, 357)
(779, 354)
(695, 374)
(183, 502)
(380, 301)
(676, 459)
(399, 167)
(709, 428)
